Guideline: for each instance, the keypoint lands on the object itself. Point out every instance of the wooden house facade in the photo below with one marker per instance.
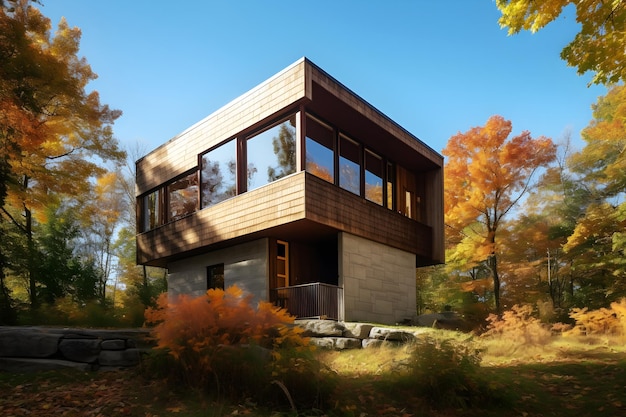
(300, 193)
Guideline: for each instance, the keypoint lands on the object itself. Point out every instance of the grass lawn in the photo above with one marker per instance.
(562, 378)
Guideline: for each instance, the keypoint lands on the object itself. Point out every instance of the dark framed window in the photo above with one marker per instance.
(349, 165)
(218, 174)
(391, 186)
(215, 277)
(271, 153)
(320, 154)
(151, 211)
(182, 196)
(374, 171)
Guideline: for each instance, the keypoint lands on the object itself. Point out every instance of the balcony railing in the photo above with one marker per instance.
(314, 300)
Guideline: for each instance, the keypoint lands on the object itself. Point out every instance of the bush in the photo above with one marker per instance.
(518, 328)
(220, 343)
(448, 374)
(601, 322)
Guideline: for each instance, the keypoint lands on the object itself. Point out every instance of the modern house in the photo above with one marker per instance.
(299, 192)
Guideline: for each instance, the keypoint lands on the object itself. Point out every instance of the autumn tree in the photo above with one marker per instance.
(541, 268)
(598, 241)
(142, 284)
(101, 216)
(600, 46)
(487, 173)
(56, 137)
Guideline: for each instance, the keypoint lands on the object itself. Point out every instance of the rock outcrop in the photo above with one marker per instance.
(41, 348)
(338, 335)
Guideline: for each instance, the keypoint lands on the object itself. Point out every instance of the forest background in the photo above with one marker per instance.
(528, 220)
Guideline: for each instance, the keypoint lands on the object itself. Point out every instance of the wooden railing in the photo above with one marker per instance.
(314, 300)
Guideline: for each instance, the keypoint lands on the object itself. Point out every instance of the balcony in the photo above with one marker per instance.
(307, 301)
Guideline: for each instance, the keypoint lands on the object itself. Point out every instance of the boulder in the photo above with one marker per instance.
(28, 343)
(357, 330)
(321, 328)
(128, 357)
(384, 333)
(337, 343)
(36, 365)
(80, 350)
(373, 343)
(114, 344)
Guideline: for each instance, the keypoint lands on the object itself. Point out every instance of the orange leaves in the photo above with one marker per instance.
(198, 327)
(52, 130)
(487, 173)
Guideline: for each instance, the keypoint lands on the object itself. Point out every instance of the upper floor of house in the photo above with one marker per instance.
(300, 120)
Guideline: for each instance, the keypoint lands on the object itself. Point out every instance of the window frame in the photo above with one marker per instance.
(167, 195)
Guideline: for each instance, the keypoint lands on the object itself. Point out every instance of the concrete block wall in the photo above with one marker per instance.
(245, 265)
(378, 281)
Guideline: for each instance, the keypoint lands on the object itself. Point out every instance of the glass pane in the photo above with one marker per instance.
(408, 198)
(151, 211)
(219, 174)
(373, 178)
(272, 154)
(391, 181)
(183, 196)
(319, 150)
(319, 160)
(349, 168)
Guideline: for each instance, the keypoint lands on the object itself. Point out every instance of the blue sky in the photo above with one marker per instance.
(437, 68)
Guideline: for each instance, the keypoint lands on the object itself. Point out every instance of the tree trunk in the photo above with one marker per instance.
(492, 261)
(30, 262)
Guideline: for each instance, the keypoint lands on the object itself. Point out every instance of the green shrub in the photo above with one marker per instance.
(447, 374)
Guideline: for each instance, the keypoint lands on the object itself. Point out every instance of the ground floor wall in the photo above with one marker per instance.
(378, 281)
(245, 265)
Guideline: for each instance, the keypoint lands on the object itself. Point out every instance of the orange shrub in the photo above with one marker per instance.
(518, 326)
(601, 322)
(223, 343)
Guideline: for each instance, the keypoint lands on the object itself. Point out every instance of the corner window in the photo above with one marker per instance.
(183, 196)
(349, 165)
(271, 153)
(218, 174)
(319, 145)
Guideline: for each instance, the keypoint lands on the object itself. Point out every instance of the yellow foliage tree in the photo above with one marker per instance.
(487, 173)
(598, 242)
(55, 135)
(600, 46)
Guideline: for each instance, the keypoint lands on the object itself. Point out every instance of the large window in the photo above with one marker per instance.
(374, 170)
(320, 160)
(349, 165)
(218, 174)
(150, 211)
(272, 153)
(183, 196)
